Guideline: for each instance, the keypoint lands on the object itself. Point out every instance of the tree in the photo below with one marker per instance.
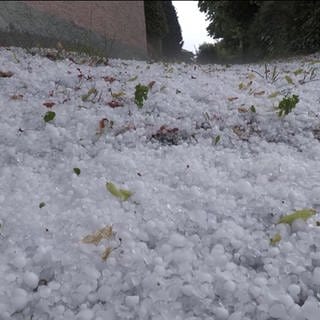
(230, 20)
(172, 41)
(163, 30)
(156, 25)
(264, 28)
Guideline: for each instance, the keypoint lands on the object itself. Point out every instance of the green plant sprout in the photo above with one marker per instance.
(216, 140)
(140, 94)
(253, 109)
(50, 115)
(287, 104)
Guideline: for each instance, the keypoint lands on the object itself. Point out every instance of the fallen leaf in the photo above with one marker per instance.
(50, 115)
(232, 98)
(106, 253)
(297, 72)
(104, 233)
(303, 214)
(49, 104)
(118, 94)
(109, 79)
(16, 97)
(289, 80)
(115, 104)
(102, 124)
(274, 94)
(122, 194)
(275, 239)
(91, 91)
(240, 132)
(259, 93)
(250, 76)
(242, 110)
(133, 78)
(6, 74)
(41, 205)
(243, 86)
(151, 84)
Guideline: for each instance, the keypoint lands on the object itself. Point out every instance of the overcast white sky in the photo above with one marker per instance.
(193, 24)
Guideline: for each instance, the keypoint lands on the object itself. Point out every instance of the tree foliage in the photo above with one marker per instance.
(163, 29)
(172, 42)
(156, 22)
(264, 28)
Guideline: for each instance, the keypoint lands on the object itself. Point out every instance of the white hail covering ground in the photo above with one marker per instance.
(193, 241)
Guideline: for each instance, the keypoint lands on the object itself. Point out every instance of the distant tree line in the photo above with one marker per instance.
(252, 30)
(163, 30)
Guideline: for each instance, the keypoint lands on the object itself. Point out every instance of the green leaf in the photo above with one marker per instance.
(253, 109)
(122, 194)
(275, 239)
(289, 80)
(133, 78)
(140, 95)
(216, 140)
(242, 86)
(297, 72)
(49, 116)
(91, 91)
(118, 94)
(303, 214)
(274, 94)
(41, 205)
(77, 171)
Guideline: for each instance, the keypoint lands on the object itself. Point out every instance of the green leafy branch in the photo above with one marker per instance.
(287, 104)
(140, 95)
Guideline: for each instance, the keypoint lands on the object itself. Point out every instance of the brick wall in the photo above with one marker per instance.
(122, 21)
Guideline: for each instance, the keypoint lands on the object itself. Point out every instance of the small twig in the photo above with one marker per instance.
(258, 73)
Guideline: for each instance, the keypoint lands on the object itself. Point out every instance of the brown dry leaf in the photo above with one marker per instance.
(232, 98)
(6, 74)
(106, 253)
(259, 93)
(151, 84)
(102, 123)
(16, 97)
(91, 238)
(49, 104)
(250, 76)
(109, 79)
(240, 132)
(115, 104)
(242, 110)
(104, 233)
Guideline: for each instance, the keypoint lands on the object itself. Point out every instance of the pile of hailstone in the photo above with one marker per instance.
(201, 203)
